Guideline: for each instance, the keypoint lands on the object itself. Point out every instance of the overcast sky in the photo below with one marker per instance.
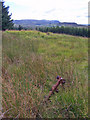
(62, 10)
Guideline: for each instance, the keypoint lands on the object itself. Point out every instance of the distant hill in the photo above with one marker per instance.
(44, 23)
(34, 23)
(72, 24)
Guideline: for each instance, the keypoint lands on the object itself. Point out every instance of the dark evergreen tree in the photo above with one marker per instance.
(7, 23)
(0, 16)
(20, 27)
(36, 28)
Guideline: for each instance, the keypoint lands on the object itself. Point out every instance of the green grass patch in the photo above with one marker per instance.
(31, 62)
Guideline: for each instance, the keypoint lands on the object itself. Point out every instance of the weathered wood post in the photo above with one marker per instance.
(61, 82)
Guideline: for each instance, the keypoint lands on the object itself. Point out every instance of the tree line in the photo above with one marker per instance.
(65, 30)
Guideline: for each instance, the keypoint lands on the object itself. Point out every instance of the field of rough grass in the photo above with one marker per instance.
(31, 62)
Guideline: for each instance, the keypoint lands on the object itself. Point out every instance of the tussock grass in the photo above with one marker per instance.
(31, 62)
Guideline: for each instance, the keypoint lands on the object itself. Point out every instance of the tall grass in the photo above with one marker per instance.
(31, 62)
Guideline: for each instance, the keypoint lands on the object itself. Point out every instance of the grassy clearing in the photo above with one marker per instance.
(31, 62)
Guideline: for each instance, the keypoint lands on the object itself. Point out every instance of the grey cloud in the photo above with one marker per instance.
(87, 16)
(49, 11)
(78, 16)
(83, 16)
